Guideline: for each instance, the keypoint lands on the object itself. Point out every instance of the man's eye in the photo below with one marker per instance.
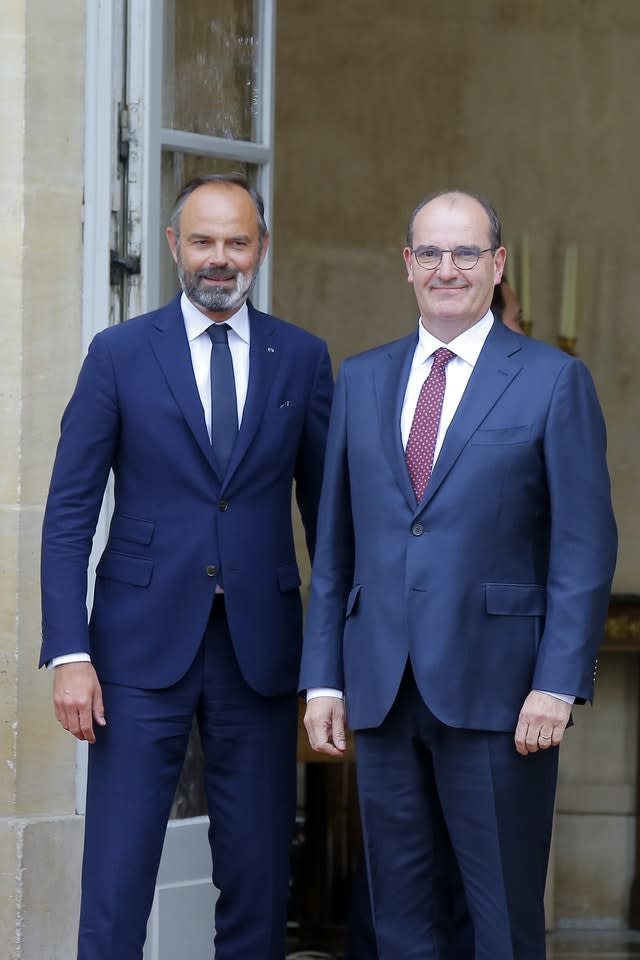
(466, 253)
(430, 253)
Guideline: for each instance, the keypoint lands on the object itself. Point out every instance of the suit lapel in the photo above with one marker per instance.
(496, 367)
(171, 347)
(390, 384)
(264, 356)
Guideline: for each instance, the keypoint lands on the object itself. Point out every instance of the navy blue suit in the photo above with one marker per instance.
(451, 611)
(162, 648)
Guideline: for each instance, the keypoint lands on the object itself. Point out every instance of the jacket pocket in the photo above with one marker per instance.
(131, 528)
(288, 577)
(516, 599)
(504, 435)
(120, 566)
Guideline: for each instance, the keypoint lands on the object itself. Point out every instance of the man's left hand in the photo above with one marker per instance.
(325, 724)
(542, 722)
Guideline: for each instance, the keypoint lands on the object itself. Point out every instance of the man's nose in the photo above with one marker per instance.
(447, 267)
(217, 254)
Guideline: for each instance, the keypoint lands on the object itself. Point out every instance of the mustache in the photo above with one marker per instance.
(227, 274)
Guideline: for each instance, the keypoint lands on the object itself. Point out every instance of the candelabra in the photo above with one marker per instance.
(568, 344)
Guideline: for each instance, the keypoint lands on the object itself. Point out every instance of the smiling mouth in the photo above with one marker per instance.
(225, 279)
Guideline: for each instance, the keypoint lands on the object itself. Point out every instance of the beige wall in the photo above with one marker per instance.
(531, 102)
(41, 112)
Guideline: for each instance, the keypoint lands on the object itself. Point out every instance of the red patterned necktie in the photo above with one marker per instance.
(421, 444)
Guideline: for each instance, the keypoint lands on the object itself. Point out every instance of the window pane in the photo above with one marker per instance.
(178, 169)
(209, 72)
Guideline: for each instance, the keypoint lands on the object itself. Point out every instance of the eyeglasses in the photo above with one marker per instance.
(464, 258)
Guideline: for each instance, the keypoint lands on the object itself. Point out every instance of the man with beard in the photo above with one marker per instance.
(207, 412)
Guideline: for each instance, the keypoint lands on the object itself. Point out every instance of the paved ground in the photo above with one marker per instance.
(563, 945)
(601, 944)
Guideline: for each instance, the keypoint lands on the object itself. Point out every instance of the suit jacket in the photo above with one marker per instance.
(498, 581)
(177, 526)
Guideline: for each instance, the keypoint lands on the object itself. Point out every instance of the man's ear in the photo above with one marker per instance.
(407, 254)
(499, 261)
(172, 240)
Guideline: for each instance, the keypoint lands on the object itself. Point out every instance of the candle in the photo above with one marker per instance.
(569, 283)
(525, 288)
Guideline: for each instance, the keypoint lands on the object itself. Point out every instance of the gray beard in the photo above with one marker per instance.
(216, 301)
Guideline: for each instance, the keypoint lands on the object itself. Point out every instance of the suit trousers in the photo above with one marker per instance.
(454, 923)
(498, 809)
(249, 746)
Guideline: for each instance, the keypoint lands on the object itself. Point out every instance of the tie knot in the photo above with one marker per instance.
(218, 332)
(441, 358)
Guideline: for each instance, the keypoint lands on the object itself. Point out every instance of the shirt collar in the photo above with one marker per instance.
(196, 322)
(467, 345)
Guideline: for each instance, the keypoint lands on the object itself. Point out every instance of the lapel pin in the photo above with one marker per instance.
(271, 349)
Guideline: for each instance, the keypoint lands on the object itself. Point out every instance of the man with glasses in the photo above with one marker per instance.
(466, 546)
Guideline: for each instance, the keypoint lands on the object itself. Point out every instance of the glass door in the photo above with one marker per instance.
(203, 96)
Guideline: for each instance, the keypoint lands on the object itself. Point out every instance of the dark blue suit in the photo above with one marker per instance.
(452, 611)
(161, 654)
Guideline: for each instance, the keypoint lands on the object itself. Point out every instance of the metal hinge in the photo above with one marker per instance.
(121, 265)
(124, 134)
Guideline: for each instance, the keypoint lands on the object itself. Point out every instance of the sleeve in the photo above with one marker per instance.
(583, 537)
(333, 566)
(85, 455)
(311, 452)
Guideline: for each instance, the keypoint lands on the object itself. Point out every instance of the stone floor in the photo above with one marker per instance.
(562, 945)
(586, 945)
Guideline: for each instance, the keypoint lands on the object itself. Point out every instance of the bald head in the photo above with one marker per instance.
(495, 230)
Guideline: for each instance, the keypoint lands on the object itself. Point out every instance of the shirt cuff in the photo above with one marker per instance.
(559, 696)
(69, 658)
(324, 692)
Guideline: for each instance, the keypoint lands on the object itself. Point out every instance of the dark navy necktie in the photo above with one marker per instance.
(224, 407)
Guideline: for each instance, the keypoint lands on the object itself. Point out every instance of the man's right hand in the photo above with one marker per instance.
(77, 699)
(324, 722)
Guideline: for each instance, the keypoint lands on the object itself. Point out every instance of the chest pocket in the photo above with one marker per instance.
(503, 435)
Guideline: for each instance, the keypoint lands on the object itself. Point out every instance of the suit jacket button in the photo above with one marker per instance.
(417, 529)
(223, 505)
(212, 570)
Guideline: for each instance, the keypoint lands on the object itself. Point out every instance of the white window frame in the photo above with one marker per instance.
(145, 100)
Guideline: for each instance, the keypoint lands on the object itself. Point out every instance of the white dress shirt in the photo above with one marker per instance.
(196, 325)
(466, 346)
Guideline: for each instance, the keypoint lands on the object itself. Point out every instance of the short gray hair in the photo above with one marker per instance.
(235, 178)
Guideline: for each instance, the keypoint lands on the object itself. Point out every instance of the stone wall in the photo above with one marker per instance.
(41, 174)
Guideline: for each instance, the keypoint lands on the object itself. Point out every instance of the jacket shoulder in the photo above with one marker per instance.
(287, 329)
(374, 354)
(140, 326)
(536, 353)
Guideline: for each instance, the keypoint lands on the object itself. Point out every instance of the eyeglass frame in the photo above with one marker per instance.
(453, 259)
